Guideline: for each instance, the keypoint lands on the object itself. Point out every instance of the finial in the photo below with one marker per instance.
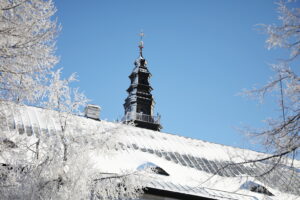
(141, 43)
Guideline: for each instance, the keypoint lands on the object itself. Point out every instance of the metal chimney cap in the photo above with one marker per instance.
(93, 106)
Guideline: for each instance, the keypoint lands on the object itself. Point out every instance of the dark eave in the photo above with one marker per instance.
(171, 194)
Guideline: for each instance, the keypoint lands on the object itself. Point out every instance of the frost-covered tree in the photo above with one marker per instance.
(281, 137)
(27, 45)
(47, 166)
(47, 171)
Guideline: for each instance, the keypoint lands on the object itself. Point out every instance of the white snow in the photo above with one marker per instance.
(134, 146)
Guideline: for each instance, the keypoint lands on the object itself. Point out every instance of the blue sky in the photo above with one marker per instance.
(201, 53)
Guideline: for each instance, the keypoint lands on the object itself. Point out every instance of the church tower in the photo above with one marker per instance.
(139, 105)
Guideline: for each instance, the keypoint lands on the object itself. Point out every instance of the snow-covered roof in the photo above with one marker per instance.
(194, 166)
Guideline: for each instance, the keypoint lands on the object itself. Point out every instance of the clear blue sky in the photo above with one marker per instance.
(201, 54)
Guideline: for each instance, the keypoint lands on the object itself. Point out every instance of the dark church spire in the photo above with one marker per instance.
(139, 105)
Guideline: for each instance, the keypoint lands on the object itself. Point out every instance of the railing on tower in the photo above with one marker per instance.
(130, 116)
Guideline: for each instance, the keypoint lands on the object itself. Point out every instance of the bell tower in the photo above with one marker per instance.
(139, 105)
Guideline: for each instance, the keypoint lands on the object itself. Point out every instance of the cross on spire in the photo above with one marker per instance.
(141, 43)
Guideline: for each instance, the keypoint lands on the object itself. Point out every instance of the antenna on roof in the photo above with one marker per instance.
(141, 43)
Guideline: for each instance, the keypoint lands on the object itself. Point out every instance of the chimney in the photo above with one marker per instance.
(92, 111)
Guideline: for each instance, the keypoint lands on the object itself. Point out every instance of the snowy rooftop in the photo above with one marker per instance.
(195, 167)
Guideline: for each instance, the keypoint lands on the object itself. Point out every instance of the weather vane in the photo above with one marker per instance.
(141, 43)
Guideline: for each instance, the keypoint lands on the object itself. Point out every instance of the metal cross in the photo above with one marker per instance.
(142, 35)
(141, 43)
